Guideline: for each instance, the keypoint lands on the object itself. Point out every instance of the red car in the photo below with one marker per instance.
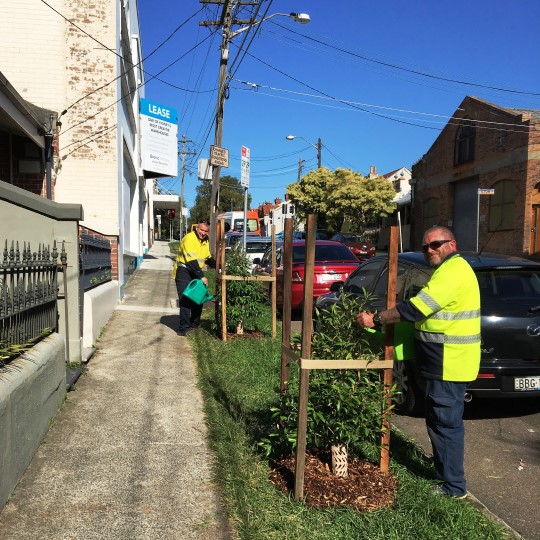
(333, 262)
(363, 249)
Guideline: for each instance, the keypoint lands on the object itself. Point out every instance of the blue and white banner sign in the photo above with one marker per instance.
(159, 139)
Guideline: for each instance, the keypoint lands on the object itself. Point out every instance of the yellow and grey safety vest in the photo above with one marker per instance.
(449, 335)
(193, 249)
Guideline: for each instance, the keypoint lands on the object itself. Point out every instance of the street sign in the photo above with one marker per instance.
(244, 177)
(482, 191)
(204, 169)
(219, 156)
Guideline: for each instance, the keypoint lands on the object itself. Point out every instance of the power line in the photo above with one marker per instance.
(126, 60)
(409, 70)
(324, 94)
(349, 102)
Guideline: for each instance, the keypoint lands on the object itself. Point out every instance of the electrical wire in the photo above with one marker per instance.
(95, 137)
(387, 117)
(91, 117)
(152, 77)
(409, 70)
(479, 123)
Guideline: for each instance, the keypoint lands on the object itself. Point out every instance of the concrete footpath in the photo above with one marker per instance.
(126, 457)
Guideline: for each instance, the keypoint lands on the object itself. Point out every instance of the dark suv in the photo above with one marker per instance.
(510, 305)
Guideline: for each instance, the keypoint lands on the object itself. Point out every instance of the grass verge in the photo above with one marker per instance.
(240, 382)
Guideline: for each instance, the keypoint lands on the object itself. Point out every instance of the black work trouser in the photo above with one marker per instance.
(190, 312)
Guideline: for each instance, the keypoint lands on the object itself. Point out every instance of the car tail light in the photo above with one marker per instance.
(486, 376)
(296, 277)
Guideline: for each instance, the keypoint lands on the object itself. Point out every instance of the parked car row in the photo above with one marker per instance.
(334, 262)
(256, 245)
(363, 249)
(510, 304)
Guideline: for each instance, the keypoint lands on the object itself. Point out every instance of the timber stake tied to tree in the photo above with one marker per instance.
(305, 362)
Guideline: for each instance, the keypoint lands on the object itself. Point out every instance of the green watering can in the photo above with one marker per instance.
(197, 292)
(403, 340)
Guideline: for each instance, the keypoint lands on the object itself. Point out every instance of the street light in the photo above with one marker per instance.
(317, 146)
(226, 21)
(302, 18)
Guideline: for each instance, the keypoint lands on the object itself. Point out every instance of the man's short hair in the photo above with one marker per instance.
(204, 222)
(445, 230)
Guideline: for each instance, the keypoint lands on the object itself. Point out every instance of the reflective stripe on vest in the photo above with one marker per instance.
(430, 337)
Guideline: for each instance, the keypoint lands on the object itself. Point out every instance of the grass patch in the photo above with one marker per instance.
(240, 382)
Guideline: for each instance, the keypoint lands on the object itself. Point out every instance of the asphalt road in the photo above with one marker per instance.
(502, 455)
(502, 458)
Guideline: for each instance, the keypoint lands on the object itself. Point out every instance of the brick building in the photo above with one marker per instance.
(81, 61)
(489, 148)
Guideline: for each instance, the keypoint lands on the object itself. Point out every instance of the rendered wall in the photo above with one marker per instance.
(30, 396)
(99, 303)
(29, 218)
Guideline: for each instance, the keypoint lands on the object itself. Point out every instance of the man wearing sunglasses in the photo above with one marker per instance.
(446, 317)
(193, 254)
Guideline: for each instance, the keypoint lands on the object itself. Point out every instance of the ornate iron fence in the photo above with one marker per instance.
(28, 296)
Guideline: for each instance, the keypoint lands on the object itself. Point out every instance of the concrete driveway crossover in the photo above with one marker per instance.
(127, 456)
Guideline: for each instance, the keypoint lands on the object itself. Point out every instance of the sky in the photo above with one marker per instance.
(375, 81)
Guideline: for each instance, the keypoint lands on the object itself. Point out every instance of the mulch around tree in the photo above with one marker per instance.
(248, 334)
(365, 488)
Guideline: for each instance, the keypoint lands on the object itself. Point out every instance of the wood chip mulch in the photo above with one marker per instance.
(365, 489)
(248, 334)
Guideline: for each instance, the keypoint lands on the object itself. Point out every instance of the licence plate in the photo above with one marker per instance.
(330, 277)
(523, 384)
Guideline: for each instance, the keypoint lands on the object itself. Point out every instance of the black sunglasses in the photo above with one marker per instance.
(436, 244)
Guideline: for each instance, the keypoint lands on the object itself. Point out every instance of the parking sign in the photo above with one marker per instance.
(244, 177)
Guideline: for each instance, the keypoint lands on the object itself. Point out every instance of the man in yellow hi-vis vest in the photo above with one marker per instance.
(193, 254)
(446, 316)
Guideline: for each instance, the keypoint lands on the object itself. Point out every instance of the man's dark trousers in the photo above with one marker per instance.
(444, 421)
(190, 312)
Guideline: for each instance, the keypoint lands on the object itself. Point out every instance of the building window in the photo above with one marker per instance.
(431, 213)
(465, 142)
(502, 206)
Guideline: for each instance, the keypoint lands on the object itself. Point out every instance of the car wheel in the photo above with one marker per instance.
(407, 397)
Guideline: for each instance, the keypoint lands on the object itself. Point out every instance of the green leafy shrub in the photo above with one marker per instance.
(244, 298)
(345, 406)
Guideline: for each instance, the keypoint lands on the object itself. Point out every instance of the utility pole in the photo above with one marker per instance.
(300, 166)
(183, 153)
(225, 23)
(319, 153)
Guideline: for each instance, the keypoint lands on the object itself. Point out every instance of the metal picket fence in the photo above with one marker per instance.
(28, 295)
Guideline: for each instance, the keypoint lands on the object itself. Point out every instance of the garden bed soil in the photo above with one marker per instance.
(366, 488)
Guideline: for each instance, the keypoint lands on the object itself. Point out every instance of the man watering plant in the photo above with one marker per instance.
(193, 254)
(446, 316)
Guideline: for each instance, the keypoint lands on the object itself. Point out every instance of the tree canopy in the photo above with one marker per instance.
(342, 195)
(231, 197)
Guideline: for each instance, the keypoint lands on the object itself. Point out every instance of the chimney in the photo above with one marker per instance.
(372, 171)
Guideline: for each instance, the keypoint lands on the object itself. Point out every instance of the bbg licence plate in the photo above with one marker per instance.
(523, 384)
(330, 277)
